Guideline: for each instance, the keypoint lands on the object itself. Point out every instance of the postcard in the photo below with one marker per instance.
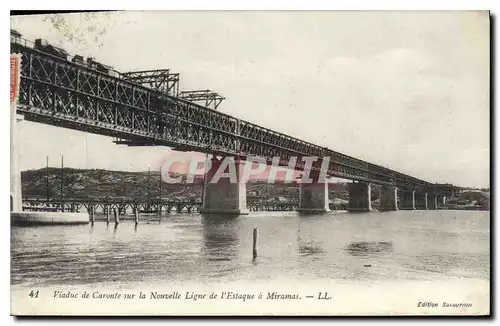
(257, 163)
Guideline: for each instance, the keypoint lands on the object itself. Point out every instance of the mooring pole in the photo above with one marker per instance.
(159, 201)
(148, 207)
(136, 213)
(254, 243)
(117, 219)
(106, 212)
(62, 183)
(92, 217)
(47, 181)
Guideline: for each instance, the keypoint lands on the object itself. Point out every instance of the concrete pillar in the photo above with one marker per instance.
(359, 197)
(421, 200)
(432, 201)
(407, 200)
(16, 200)
(224, 196)
(313, 197)
(388, 198)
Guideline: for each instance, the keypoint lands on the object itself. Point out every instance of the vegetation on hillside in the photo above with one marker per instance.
(96, 184)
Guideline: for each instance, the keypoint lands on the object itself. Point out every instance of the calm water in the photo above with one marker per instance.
(366, 247)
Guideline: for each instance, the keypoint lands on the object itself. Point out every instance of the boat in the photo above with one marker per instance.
(26, 218)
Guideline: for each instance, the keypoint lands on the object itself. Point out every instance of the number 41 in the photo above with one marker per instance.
(33, 294)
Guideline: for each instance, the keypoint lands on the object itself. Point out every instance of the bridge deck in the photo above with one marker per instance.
(59, 92)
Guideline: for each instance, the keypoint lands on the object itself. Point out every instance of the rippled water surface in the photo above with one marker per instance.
(365, 247)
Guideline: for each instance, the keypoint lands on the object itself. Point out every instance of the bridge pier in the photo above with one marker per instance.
(432, 202)
(407, 200)
(389, 199)
(313, 197)
(441, 199)
(421, 200)
(359, 197)
(223, 196)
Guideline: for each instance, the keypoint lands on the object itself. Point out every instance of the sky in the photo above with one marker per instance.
(407, 90)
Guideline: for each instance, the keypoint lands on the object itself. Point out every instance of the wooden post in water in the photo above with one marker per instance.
(148, 206)
(62, 183)
(106, 212)
(254, 247)
(136, 213)
(117, 219)
(92, 217)
(47, 182)
(159, 197)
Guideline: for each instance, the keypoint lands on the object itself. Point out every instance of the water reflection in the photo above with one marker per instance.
(220, 237)
(219, 249)
(308, 249)
(366, 248)
(307, 239)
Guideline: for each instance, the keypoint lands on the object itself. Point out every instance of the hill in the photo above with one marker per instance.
(98, 183)
(93, 184)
